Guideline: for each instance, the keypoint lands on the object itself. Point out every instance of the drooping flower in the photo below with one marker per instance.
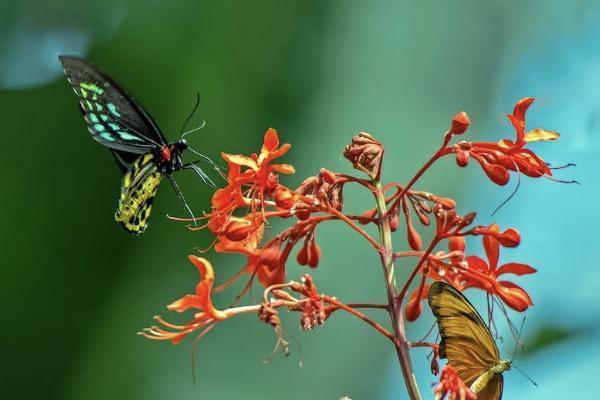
(484, 275)
(201, 301)
(498, 158)
(451, 387)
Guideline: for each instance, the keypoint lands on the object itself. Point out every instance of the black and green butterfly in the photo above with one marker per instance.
(117, 121)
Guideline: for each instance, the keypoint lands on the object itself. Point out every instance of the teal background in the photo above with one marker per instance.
(76, 287)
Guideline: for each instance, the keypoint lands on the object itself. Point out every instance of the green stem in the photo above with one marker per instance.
(395, 308)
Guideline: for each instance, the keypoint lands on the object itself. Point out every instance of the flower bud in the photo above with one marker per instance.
(327, 175)
(460, 123)
(510, 238)
(366, 154)
(238, 230)
(314, 253)
(284, 198)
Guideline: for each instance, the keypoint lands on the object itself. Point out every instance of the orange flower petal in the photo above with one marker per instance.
(239, 159)
(271, 140)
(185, 303)
(283, 168)
(204, 287)
(539, 134)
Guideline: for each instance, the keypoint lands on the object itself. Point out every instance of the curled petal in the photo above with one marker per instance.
(516, 268)
(514, 296)
(497, 173)
(518, 118)
(478, 264)
(240, 160)
(492, 246)
(539, 134)
(510, 238)
(201, 300)
(283, 168)
(185, 303)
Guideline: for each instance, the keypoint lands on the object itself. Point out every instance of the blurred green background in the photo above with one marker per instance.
(76, 287)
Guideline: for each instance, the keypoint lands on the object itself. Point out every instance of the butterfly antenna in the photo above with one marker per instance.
(202, 125)
(561, 166)
(181, 198)
(191, 114)
(509, 198)
(525, 375)
(518, 339)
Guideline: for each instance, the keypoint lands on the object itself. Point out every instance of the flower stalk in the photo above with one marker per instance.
(395, 307)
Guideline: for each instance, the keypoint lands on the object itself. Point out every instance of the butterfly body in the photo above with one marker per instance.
(467, 342)
(117, 121)
(484, 379)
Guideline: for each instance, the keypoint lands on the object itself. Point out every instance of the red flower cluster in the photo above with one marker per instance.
(472, 271)
(253, 188)
(497, 159)
(451, 387)
(254, 196)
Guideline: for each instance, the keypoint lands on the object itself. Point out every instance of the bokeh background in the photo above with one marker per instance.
(76, 287)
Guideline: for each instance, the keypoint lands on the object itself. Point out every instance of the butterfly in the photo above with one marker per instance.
(117, 121)
(467, 342)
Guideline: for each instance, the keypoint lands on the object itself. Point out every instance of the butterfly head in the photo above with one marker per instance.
(505, 365)
(169, 157)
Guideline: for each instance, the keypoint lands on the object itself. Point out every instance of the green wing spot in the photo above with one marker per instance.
(89, 105)
(113, 109)
(83, 93)
(99, 127)
(107, 136)
(127, 136)
(99, 107)
(92, 87)
(114, 126)
(104, 117)
(94, 118)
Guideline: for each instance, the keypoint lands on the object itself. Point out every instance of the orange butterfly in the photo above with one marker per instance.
(467, 342)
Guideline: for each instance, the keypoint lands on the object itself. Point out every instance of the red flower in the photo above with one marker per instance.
(452, 386)
(484, 275)
(200, 300)
(497, 159)
(250, 181)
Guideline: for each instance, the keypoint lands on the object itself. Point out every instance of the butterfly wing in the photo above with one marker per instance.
(139, 187)
(466, 340)
(113, 117)
(493, 390)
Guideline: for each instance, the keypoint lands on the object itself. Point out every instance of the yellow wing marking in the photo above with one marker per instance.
(138, 189)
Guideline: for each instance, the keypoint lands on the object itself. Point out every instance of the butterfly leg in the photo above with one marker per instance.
(206, 159)
(205, 178)
(181, 198)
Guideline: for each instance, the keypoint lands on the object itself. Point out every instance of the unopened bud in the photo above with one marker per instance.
(460, 123)
(366, 154)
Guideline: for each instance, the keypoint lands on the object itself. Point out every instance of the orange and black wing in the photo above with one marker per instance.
(466, 341)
